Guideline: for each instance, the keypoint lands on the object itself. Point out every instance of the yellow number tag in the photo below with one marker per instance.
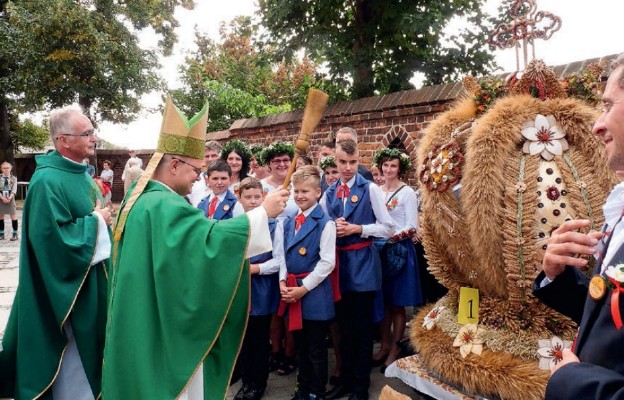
(468, 306)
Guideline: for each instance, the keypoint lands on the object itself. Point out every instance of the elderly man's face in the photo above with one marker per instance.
(610, 125)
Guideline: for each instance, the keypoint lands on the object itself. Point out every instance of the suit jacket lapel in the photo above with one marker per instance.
(592, 308)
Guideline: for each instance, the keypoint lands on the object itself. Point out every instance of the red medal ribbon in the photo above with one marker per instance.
(615, 303)
(295, 317)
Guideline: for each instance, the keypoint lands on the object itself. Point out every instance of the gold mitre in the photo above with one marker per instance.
(180, 136)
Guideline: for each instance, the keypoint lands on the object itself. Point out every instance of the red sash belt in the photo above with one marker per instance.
(295, 318)
(615, 303)
(334, 276)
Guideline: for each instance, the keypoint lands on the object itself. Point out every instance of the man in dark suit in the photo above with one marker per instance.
(595, 367)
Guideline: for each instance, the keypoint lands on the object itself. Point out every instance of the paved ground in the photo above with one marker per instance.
(279, 388)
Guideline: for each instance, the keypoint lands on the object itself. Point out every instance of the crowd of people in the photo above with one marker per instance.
(215, 272)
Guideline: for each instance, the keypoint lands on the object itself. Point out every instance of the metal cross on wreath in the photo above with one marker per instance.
(528, 24)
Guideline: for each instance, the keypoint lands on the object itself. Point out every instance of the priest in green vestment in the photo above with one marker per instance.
(54, 340)
(179, 285)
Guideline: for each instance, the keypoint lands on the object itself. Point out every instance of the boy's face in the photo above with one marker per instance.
(331, 175)
(347, 164)
(218, 181)
(250, 199)
(306, 193)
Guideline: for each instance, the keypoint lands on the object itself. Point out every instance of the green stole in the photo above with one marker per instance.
(179, 297)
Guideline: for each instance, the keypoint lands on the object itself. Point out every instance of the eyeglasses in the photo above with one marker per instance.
(90, 133)
(282, 161)
(198, 171)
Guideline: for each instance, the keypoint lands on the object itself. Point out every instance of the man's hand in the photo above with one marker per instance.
(104, 212)
(568, 357)
(275, 202)
(344, 228)
(565, 244)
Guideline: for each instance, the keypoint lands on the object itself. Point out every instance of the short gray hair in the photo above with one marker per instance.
(349, 131)
(617, 65)
(213, 145)
(60, 120)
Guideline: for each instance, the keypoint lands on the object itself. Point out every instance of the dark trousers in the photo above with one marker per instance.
(432, 290)
(312, 354)
(354, 313)
(253, 360)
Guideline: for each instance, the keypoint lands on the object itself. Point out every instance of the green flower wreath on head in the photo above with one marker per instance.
(327, 161)
(235, 144)
(404, 161)
(275, 149)
(256, 149)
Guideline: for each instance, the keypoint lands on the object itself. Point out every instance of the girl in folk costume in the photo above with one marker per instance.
(401, 284)
(237, 155)
(8, 186)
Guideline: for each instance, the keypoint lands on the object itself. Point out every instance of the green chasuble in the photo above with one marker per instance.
(56, 282)
(179, 297)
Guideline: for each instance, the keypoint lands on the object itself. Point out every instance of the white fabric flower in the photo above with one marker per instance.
(551, 351)
(432, 317)
(616, 273)
(544, 137)
(438, 163)
(468, 340)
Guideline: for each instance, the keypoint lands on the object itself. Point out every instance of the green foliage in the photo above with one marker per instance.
(55, 52)
(241, 79)
(379, 44)
(27, 135)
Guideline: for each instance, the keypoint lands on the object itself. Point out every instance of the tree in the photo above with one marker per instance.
(56, 52)
(241, 79)
(378, 45)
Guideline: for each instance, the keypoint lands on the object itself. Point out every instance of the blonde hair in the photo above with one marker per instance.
(306, 173)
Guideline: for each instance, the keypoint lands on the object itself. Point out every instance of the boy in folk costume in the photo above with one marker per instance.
(305, 248)
(221, 203)
(358, 207)
(253, 359)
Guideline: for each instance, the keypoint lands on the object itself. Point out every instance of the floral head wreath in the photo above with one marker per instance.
(238, 145)
(327, 161)
(404, 161)
(275, 149)
(256, 150)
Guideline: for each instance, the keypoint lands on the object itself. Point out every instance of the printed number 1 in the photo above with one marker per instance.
(470, 312)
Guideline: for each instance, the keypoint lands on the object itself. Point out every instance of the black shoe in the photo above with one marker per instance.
(275, 359)
(242, 393)
(14, 237)
(254, 392)
(338, 391)
(300, 396)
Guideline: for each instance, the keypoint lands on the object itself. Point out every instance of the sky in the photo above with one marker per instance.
(589, 29)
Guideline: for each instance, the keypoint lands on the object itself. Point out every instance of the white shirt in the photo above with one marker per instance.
(198, 192)
(323, 267)
(612, 211)
(384, 226)
(291, 207)
(138, 161)
(405, 213)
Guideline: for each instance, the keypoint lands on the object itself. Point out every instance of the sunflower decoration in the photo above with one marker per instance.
(441, 169)
(275, 149)
(405, 163)
(327, 161)
(238, 145)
